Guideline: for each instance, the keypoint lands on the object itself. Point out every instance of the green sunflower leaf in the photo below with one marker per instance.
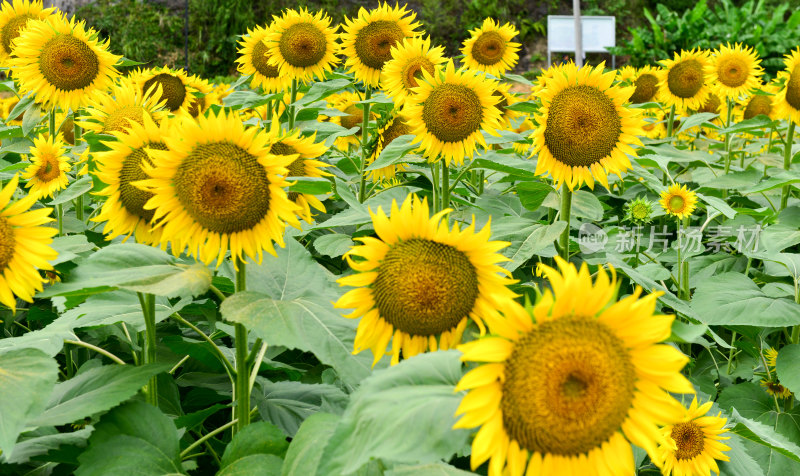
(788, 363)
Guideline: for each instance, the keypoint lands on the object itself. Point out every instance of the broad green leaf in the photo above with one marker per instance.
(247, 99)
(584, 204)
(41, 445)
(532, 194)
(780, 179)
(526, 237)
(260, 464)
(501, 136)
(31, 118)
(70, 247)
(718, 204)
(788, 367)
(701, 119)
(26, 102)
(414, 399)
(288, 404)
(506, 163)
(734, 299)
(94, 391)
(741, 462)
(764, 435)
(334, 244)
(257, 438)
(322, 90)
(27, 377)
(395, 151)
(304, 453)
(309, 185)
(433, 469)
(134, 439)
(73, 191)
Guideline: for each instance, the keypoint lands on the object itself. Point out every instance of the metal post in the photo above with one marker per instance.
(576, 8)
(186, 34)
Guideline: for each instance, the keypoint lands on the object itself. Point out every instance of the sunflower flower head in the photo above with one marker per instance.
(567, 386)
(678, 201)
(646, 84)
(694, 444)
(167, 85)
(771, 356)
(419, 281)
(681, 80)
(788, 98)
(409, 57)
(254, 60)
(639, 211)
(774, 388)
(123, 104)
(490, 49)
(47, 173)
(733, 70)
(301, 44)
(14, 17)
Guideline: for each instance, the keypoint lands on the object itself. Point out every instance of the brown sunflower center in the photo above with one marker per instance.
(354, 117)
(688, 438)
(685, 79)
(68, 63)
(793, 88)
(303, 45)
(374, 42)
(132, 198)
(172, 89)
(489, 48)
(67, 130)
(732, 71)
(223, 187)
(712, 104)
(758, 104)
(197, 105)
(260, 62)
(646, 88)
(676, 203)
(569, 386)
(48, 168)
(412, 71)
(12, 29)
(452, 112)
(7, 243)
(398, 128)
(121, 119)
(583, 126)
(425, 287)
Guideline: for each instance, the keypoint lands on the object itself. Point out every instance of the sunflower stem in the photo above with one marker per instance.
(362, 189)
(78, 134)
(728, 156)
(445, 185)
(566, 211)
(787, 162)
(241, 392)
(292, 99)
(731, 353)
(52, 123)
(435, 186)
(670, 122)
(684, 270)
(60, 219)
(148, 303)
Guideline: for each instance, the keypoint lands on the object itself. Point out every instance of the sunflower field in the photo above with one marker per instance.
(364, 257)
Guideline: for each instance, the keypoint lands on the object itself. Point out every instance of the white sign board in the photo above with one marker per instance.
(598, 33)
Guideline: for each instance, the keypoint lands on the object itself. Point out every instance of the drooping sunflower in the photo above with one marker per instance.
(409, 58)
(217, 187)
(646, 83)
(762, 102)
(346, 101)
(254, 60)
(678, 201)
(449, 109)
(24, 246)
(62, 63)
(734, 71)
(302, 45)
(787, 101)
(303, 151)
(116, 110)
(66, 128)
(14, 17)
(419, 281)
(204, 96)
(368, 39)
(49, 166)
(394, 128)
(167, 85)
(584, 128)
(568, 386)
(774, 388)
(693, 444)
(681, 81)
(119, 168)
(490, 49)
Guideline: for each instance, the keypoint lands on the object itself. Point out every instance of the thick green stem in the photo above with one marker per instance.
(787, 162)
(148, 303)
(52, 123)
(362, 189)
(78, 133)
(670, 122)
(445, 185)
(731, 354)
(60, 219)
(566, 211)
(291, 108)
(728, 157)
(435, 187)
(242, 387)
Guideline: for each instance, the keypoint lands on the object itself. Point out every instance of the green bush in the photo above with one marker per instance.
(771, 29)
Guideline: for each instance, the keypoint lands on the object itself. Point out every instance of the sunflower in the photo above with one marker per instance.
(653, 127)
(733, 71)
(681, 81)
(449, 109)
(504, 99)
(167, 85)
(218, 187)
(345, 102)
(409, 58)
(254, 60)
(66, 129)
(49, 166)
(24, 246)
(368, 39)
(584, 130)
(14, 17)
(122, 105)
(678, 201)
(523, 147)
(626, 75)
(489, 48)
(394, 128)
(420, 281)
(301, 45)
(774, 388)
(568, 386)
(204, 96)
(62, 63)
(646, 84)
(762, 102)
(639, 211)
(693, 444)
(771, 356)
(303, 151)
(787, 101)
(120, 167)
